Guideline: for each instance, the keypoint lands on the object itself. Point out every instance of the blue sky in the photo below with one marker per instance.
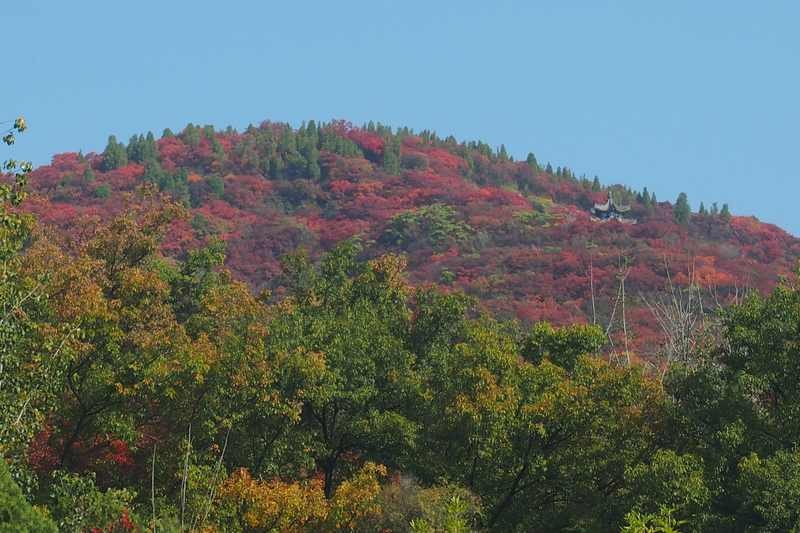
(701, 97)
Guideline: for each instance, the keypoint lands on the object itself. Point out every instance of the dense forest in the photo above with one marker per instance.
(359, 329)
(517, 235)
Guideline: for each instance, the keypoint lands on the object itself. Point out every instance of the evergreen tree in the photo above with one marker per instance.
(714, 209)
(216, 185)
(276, 166)
(646, 200)
(134, 149)
(596, 186)
(141, 148)
(103, 191)
(153, 172)
(312, 132)
(549, 168)
(167, 133)
(191, 135)
(532, 163)
(115, 155)
(312, 162)
(702, 209)
(391, 155)
(725, 213)
(149, 148)
(682, 210)
(502, 154)
(218, 151)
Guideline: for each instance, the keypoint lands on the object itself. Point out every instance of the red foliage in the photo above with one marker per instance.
(173, 153)
(42, 457)
(371, 143)
(532, 268)
(246, 191)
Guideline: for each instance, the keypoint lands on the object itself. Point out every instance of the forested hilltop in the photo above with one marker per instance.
(221, 331)
(518, 235)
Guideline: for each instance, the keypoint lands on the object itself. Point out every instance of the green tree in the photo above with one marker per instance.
(30, 359)
(435, 225)
(564, 345)
(191, 135)
(16, 514)
(78, 505)
(770, 491)
(142, 148)
(725, 213)
(391, 155)
(532, 163)
(734, 407)
(502, 153)
(115, 155)
(344, 325)
(89, 175)
(103, 191)
(669, 480)
(681, 209)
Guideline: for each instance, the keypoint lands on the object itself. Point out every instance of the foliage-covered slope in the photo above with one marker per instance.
(518, 235)
(144, 392)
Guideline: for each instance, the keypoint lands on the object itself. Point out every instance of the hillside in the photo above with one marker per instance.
(144, 387)
(516, 234)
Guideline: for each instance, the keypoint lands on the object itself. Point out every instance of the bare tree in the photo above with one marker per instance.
(619, 303)
(680, 313)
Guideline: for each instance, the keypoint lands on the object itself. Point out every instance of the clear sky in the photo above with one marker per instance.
(694, 96)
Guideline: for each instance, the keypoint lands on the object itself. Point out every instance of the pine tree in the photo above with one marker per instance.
(312, 163)
(149, 148)
(115, 155)
(141, 149)
(502, 154)
(682, 210)
(596, 186)
(167, 133)
(714, 209)
(153, 172)
(276, 167)
(135, 149)
(532, 163)
(312, 132)
(391, 155)
(646, 200)
(702, 209)
(191, 135)
(725, 213)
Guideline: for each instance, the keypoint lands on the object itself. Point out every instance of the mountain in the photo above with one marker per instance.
(517, 235)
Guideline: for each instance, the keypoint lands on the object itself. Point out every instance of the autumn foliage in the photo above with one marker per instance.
(336, 328)
(518, 236)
